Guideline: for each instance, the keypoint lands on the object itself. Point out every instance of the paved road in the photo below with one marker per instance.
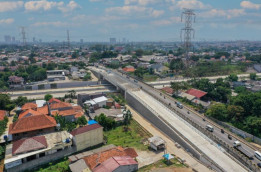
(61, 92)
(195, 117)
(211, 78)
(199, 141)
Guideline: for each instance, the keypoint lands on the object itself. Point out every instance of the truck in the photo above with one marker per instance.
(237, 145)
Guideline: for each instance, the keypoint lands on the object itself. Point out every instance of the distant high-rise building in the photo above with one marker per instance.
(81, 41)
(13, 39)
(112, 40)
(8, 39)
(123, 40)
(34, 40)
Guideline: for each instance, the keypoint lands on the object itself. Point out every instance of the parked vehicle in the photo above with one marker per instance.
(259, 165)
(209, 128)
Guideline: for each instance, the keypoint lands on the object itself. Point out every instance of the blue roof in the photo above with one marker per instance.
(92, 122)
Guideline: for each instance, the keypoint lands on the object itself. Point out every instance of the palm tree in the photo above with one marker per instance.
(127, 116)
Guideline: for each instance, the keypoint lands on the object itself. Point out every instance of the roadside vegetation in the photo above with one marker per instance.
(61, 165)
(164, 164)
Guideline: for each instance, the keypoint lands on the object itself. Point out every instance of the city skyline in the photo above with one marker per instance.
(134, 20)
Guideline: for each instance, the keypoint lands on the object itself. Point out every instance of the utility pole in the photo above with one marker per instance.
(186, 32)
(23, 36)
(68, 39)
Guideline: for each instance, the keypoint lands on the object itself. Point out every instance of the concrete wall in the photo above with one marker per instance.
(147, 114)
(43, 160)
(127, 168)
(88, 139)
(33, 133)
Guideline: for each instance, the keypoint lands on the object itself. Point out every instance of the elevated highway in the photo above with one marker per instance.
(168, 120)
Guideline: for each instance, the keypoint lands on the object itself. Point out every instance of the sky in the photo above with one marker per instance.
(135, 20)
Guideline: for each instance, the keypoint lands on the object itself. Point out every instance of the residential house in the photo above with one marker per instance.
(257, 67)
(28, 153)
(158, 67)
(15, 82)
(168, 90)
(87, 136)
(157, 143)
(197, 93)
(129, 69)
(93, 158)
(117, 164)
(55, 75)
(32, 126)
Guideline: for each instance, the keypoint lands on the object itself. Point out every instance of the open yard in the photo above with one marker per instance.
(134, 137)
(164, 165)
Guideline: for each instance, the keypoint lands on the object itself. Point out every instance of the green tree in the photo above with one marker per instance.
(177, 65)
(87, 76)
(127, 116)
(252, 76)
(47, 97)
(218, 111)
(20, 101)
(6, 103)
(235, 113)
(106, 122)
(233, 77)
(72, 94)
(81, 121)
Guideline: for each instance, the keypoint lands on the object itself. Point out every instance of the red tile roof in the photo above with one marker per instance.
(29, 144)
(60, 105)
(27, 106)
(54, 100)
(32, 123)
(113, 163)
(3, 113)
(128, 69)
(196, 93)
(93, 160)
(43, 110)
(29, 112)
(85, 129)
(168, 90)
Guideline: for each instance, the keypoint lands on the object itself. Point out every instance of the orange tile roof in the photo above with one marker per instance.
(43, 110)
(27, 106)
(32, 123)
(29, 112)
(128, 69)
(93, 160)
(67, 112)
(60, 105)
(54, 100)
(77, 108)
(3, 113)
(79, 114)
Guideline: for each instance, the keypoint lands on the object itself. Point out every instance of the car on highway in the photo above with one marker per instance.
(229, 137)
(258, 155)
(236, 143)
(209, 128)
(222, 131)
(179, 105)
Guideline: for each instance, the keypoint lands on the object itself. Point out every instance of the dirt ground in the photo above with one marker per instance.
(171, 169)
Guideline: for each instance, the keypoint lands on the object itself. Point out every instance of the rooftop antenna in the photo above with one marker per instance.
(186, 32)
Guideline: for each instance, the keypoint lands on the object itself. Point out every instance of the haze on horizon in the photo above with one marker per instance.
(135, 20)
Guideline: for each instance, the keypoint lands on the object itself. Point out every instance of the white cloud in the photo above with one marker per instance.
(134, 10)
(250, 5)
(223, 13)
(141, 2)
(56, 24)
(192, 4)
(9, 6)
(7, 21)
(72, 5)
(166, 22)
(48, 5)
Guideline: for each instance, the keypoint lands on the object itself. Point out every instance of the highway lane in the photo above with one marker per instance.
(195, 117)
(189, 132)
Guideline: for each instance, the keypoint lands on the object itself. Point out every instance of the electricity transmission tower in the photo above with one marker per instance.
(68, 39)
(186, 32)
(23, 35)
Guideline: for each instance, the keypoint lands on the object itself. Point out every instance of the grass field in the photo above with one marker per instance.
(134, 137)
(162, 164)
(150, 78)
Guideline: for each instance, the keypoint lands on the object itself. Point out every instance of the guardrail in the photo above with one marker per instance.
(241, 159)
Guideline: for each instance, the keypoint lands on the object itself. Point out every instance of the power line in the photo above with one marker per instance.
(186, 32)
